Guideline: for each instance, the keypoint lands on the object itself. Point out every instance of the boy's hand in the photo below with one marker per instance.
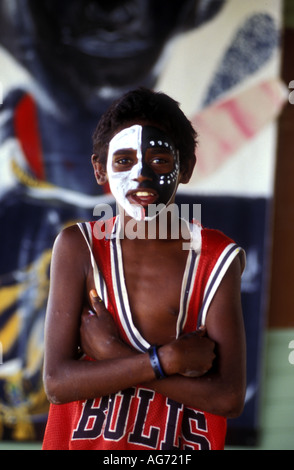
(190, 355)
(98, 332)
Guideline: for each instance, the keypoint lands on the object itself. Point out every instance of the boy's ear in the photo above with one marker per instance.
(99, 170)
(186, 172)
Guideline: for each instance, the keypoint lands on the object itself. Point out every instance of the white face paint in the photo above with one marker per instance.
(140, 139)
(122, 182)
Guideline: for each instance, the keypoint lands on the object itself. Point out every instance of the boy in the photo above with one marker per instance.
(161, 327)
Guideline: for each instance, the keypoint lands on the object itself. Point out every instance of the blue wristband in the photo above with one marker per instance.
(155, 363)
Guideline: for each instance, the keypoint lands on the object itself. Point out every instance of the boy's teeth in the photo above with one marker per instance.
(143, 193)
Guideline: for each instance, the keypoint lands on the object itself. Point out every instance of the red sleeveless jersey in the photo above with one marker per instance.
(139, 418)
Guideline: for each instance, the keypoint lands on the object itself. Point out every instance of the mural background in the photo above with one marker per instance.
(60, 67)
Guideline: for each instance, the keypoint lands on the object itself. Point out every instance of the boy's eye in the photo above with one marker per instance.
(160, 161)
(123, 164)
(123, 160)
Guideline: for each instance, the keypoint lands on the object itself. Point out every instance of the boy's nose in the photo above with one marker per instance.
(141, 179)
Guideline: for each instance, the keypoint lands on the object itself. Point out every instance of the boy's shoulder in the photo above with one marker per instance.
(215, 236)
(205, 238)
(215, 242)
(70, 241)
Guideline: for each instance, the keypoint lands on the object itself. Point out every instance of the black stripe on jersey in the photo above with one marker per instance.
(123, 305)
(187, 291)
(98, 277)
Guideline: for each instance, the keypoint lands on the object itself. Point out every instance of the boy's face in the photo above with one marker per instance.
(143, 169)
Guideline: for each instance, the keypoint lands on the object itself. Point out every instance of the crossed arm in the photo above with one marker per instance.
(204, 371)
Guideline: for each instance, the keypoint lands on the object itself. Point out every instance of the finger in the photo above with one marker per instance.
(87, 312)
(96, 302)
(202, 331)
(87, 317)
(194, 373)
(93, 294)
(95, 297)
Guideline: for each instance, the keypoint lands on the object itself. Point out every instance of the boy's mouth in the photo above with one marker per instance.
(143, 197)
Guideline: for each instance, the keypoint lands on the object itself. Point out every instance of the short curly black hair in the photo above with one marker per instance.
(144, 105)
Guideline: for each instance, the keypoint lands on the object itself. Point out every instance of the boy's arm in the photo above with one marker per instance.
(66, 378)
(220, 391)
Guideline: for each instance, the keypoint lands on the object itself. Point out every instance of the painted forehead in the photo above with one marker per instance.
(154, 137)
(141, 137)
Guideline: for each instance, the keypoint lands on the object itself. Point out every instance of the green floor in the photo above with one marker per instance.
(277, 396)
(277, 406)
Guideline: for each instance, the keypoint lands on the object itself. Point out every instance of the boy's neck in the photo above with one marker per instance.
(166, 226)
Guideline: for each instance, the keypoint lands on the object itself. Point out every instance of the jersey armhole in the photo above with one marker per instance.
(100, 285)
(222, 265)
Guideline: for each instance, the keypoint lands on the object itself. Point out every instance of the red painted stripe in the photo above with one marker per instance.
(27, 132)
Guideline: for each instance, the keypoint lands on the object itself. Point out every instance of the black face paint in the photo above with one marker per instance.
(164, 183)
